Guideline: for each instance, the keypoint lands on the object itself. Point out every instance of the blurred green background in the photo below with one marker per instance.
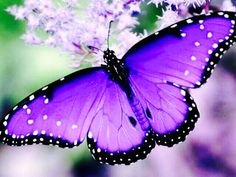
(24, 68)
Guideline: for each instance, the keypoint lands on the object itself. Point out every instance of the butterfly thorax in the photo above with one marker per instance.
(115, 67)
(117, 71)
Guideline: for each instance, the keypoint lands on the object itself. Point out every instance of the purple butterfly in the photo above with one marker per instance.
(128, 105)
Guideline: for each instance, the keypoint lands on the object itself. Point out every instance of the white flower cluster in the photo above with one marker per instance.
(177, 2)
(81, 28)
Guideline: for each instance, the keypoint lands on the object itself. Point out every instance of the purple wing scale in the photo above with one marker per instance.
(115, 136)
(184, 53)
(58, 114)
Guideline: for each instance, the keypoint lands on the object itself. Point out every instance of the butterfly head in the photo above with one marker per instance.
(109, 56)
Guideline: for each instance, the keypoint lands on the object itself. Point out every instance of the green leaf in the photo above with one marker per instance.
(9, 27)
(148, 17)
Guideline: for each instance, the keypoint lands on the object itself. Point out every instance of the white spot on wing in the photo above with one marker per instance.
(7, 116)
(173, 26)
(186, 72)
(202, 27)
(58, 123)
(201, 21)
(221, 40)
(226, 16)
(30, 121)
(183, 92)
(198, 83)
(215, 45)
(193, 58)
(45, 117)
(46, 101)
(209, 34)
(189, 21)
(35, 132)
(74, 126)
(5, 123)
(183, 34)
(45, 88)
(197, 43)
(90, 135)
(28, 111)
(31, 97)
(98, 150)
(210, 52)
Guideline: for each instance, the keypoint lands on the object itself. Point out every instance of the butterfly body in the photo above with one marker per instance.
(119, 73)
(129, 105)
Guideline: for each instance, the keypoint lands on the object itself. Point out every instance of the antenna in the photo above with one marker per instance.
(108, 35)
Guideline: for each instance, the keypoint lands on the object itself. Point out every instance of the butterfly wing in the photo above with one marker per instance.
(171, 111)
(86, 103)
(115, 136)
(186, 52)
(58, 114)
(164, 64)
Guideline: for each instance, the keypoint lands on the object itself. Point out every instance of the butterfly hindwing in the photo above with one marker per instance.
(171, 111)
(58, 114)
(115, 136)
(186, 52)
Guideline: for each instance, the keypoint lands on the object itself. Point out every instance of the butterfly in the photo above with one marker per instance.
(127, 106)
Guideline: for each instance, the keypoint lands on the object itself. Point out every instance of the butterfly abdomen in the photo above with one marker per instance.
(139, 113)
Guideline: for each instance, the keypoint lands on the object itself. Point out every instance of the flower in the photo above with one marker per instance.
(82, 28)
(195, 2)
(177, 2)
(168, 18)
(228, 5)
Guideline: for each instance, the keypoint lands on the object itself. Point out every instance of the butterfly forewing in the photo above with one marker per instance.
(58, 114)
(184, 53)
